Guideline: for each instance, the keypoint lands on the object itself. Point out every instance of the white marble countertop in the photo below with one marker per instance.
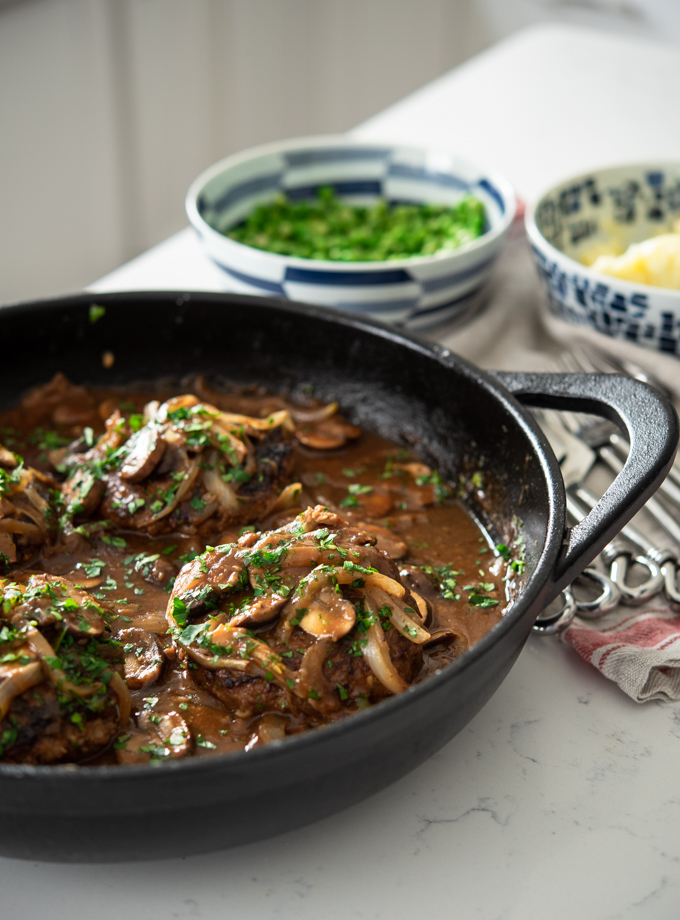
(559, 799)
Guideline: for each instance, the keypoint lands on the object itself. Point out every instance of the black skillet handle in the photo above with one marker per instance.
(649, 422)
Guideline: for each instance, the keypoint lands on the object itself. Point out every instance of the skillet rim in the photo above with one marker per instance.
(556, 519)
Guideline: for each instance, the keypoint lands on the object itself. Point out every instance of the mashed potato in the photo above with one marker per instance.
(655, 261)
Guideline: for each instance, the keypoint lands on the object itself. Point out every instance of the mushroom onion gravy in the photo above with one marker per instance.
(183, 575)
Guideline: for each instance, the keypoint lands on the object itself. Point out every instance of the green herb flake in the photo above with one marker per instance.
(96, 312)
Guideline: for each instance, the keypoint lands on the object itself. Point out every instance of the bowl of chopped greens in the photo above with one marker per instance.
(404, 234)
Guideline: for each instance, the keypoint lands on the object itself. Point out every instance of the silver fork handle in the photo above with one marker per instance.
(653, 506)
(619, 557)
(555, 623)
(670, 487)
(605, 602)
(669, 570)
(552, 624)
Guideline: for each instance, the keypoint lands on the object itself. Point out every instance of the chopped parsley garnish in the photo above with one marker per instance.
(93, 568)
(96, 312)
(482, 600)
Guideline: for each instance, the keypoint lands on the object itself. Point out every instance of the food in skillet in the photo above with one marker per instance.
(216, 571)
(29, 505)
(61, 697)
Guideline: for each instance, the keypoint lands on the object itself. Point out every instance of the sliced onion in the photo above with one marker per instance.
(318, 414)
(421, 605)
(387, 584)
(7, 458)
(119, 687)
(38, 518)
(11, 525)
(259, 653)
(36, 500)
(377, 657)
(190, 473)
(217, 663)
(186, 401)
(288, 498)
(319, 578)
(39, 644)
(275, 420)
(151, 410)
(15, 680)
(224, 494)
(311, 677)
(398, 616)
(237, 445)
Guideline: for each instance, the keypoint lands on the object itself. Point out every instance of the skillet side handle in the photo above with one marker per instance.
(646, 418)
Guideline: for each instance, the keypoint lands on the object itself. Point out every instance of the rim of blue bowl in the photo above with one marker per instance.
(345, 140)
(537, 238)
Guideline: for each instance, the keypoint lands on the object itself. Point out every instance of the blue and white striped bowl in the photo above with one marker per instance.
(414, 292)
(608, 209)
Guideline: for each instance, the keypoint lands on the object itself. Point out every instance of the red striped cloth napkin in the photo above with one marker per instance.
(638, 649)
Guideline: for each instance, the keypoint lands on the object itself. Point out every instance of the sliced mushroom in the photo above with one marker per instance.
(159, 572)
(260, 610)
(143, 657)
(271, 727)
(53, 599)
(387, 540)
(82, 492)
(8, 548)
(329, 434)
(447, 634)
(145, 449)
(214, 572)
(416, 470)
(376, 503)
(329, 616)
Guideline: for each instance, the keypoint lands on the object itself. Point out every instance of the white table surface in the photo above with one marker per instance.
(561, 798)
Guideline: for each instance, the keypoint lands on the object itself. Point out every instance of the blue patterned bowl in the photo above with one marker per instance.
(579, 218)
(413, 292)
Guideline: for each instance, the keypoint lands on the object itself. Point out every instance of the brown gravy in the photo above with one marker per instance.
(368, 481)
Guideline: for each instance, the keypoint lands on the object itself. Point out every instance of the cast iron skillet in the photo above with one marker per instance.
(414, 392)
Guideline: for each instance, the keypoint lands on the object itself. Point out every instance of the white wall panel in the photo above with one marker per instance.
(109, 108)
(59, 213)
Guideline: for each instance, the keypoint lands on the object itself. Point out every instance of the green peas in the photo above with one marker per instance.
(328, 228)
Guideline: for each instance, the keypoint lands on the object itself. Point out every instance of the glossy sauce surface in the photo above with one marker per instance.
(375, 485)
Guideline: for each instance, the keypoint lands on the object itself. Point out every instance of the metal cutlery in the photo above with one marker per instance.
(604, 436)
(577, 461)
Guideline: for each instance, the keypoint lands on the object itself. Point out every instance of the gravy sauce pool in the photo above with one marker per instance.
(372, 483)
